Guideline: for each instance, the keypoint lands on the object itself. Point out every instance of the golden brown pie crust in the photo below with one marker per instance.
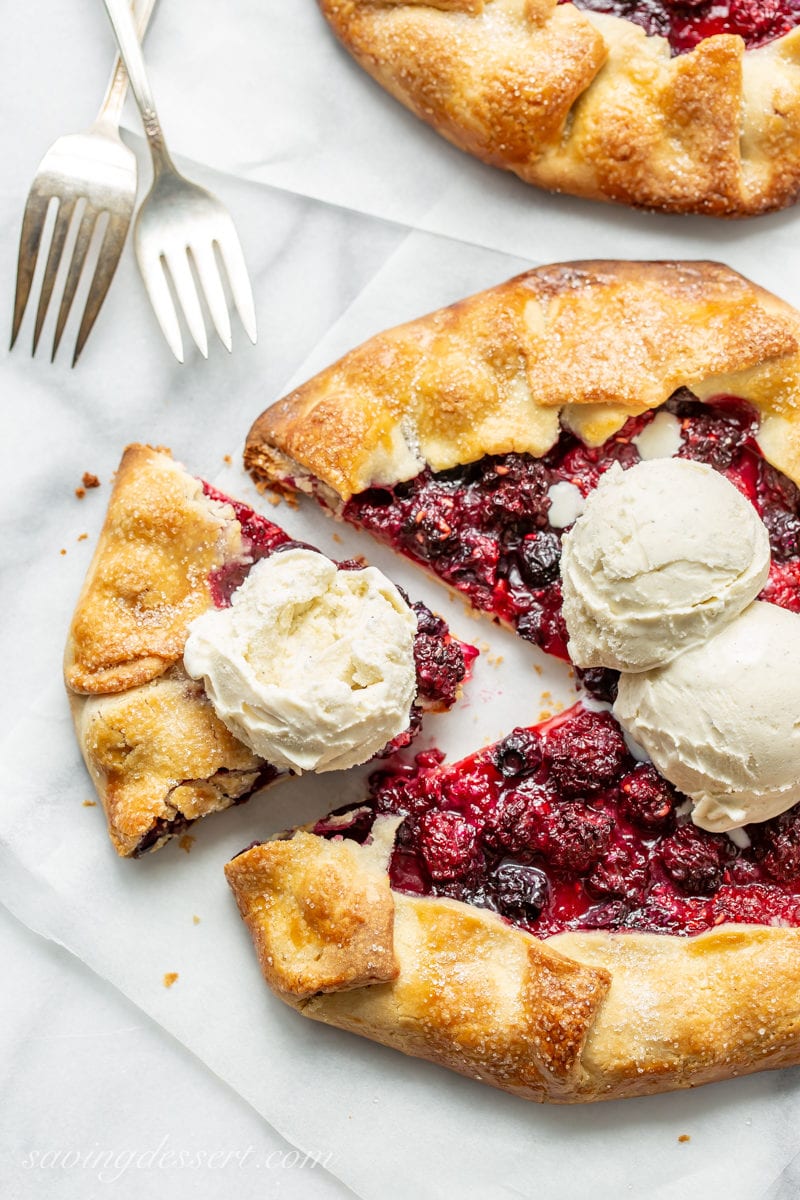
(589, 103)
(153, 745)
(588, 344)
(148, 578)
(579, 1017)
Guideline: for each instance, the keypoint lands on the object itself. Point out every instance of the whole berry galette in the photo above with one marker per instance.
(187, 692)
(605, 457)
(687, 107)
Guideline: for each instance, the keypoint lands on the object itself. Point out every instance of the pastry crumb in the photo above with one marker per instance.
(169, 978)
(336, 538)
(545, 714)
(90, 804)
(195, 919)
(80, 493)
(89, 480)
(537, 668)
(274, 499)
(684, 1137)
(186, 842)
(226, 458)
(82, 537)
(62, 551)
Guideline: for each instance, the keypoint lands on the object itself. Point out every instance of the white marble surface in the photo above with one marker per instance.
(315, 162)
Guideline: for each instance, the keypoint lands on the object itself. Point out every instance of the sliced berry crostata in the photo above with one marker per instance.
(687, 107)
(188, 692)
(607, 904)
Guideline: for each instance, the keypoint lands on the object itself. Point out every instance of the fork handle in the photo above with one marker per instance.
(131, 52)
(110, 112)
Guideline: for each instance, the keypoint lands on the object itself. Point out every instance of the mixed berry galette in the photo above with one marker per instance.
(603, 456)
(688, 107)
(210, 655)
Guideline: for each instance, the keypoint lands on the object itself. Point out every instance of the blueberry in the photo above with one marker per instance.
(519, 890)
(540, 559)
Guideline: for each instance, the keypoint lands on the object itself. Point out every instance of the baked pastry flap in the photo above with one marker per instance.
(594, 104)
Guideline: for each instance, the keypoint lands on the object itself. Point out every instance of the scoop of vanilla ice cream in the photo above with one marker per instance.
(722, 722)
(663, 555)
(311, 667)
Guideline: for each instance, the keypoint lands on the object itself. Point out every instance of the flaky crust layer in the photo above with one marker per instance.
(148, 578)
(156, 751)
(588, 103)
(586, 344)
(160, 757)
(579, 1017)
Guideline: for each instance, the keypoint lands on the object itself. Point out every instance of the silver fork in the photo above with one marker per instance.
(179, 226)
(94, 171)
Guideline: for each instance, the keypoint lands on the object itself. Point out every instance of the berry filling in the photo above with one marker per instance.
(485, 528)
(557, 827)
(686, 22)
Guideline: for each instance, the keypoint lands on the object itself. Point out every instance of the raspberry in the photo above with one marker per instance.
(518, 754)
(715, 436)
(475, 790)
(440, 668)
(647, 799)
(695, 860)
(778, 846)
(540, 559)
(755, 904)
(430, 529)
(573, 837)
(472, 566)
(519, 890)
(623, 872)
(449, 845)
(517, 818)
(784, 532)
(783, 585)
(516, 491)
(403, 790)
(586, 753)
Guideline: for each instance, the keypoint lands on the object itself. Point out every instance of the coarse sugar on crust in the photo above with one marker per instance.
(588, 102)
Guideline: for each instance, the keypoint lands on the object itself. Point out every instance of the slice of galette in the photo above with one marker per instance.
(470, 439)
(542, 916)
(689, 106)
(210, 655)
